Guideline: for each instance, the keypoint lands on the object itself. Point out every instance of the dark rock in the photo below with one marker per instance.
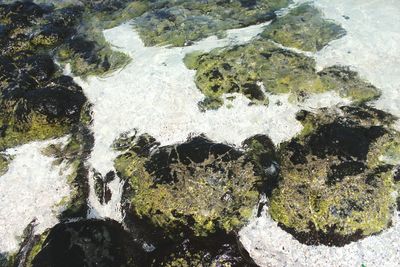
(89, 243)
(336, 173)
(216, 250)
(195, 188)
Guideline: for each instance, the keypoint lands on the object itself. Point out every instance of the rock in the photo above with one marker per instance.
(261, 67)
(88, 243)
(181, 22)
(260, 150)
(195, 188)
(348, 84)
(39, 111)
(335, 185)
(36, 101)
(303, 28)
(32, 27)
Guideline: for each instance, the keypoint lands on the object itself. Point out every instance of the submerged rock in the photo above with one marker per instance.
(217, 250)
(261, 67)
(197, 187)
(303, 28)
(335, 185)
(106, 243)
(71, 32)
(179, 23)
(86, 243)
(37, 102)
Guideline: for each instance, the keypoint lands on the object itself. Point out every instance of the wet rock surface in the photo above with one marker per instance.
(57, 30)
(107, 243)
(217, 250)
(198, 187)
(303, 28)
(334, 186)
(36, 101)
(74, 154)
(179, 23)
(261, 67)
(89, 243)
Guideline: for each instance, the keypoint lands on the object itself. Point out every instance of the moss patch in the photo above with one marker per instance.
(303, 28)
(36, 247)
(333, 188)
(197, 186)
(260, 66)
(179, 23)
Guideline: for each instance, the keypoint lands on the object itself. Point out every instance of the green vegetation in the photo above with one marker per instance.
(303, 28)
(179, 23)
(261, 67)
(333, 181)
(202, 195)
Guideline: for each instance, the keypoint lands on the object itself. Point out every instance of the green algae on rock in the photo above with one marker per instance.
(198, 186)
(37, 102)
(303, 28)
(333, 187)
(61, 31)
(261, 67)
(179, 23)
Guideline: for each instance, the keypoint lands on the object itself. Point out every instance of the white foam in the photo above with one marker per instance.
(30, 189)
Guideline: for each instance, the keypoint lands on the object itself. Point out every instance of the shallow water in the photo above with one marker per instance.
(156, 94)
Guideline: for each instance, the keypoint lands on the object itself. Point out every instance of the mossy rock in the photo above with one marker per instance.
(334, 187)
(198, 187)
(91, 55)
(179, 23)
(39, 111)
(43, 28)
(261, 67)
(303, 28)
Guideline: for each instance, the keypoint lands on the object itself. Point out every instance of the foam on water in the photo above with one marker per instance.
(30, 190)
